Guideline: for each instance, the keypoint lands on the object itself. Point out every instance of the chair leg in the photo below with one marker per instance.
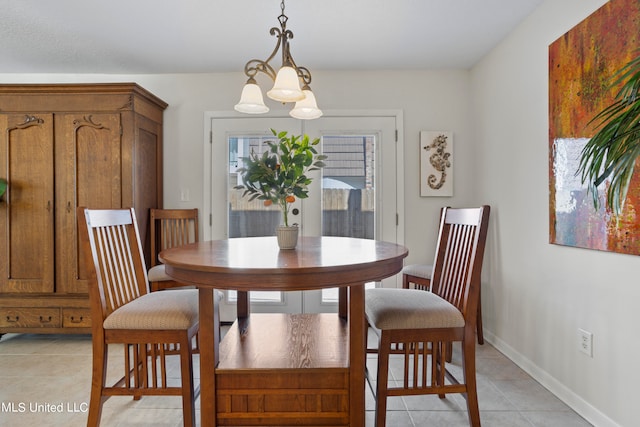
(382, 381)
(479, 320)
(98, 379)
(469, 372)
(449, 356)
(186, 374)
(140, 360)
(441, 354)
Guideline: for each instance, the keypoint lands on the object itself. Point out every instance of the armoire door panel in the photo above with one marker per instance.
(149, 192)
(98, 167)
(27, 212)
(89, 173)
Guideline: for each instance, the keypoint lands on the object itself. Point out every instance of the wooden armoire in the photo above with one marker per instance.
(63, 146)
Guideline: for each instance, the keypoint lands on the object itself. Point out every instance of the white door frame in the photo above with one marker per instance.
(207, 187)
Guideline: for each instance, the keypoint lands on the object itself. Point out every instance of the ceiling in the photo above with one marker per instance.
(203, 36)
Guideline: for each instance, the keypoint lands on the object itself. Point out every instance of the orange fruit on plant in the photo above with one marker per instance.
(267, 202)
(290, 199)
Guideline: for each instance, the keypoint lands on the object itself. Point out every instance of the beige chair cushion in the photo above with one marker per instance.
(410, 309)
(418, 270)
(157, 273)
(157, 310)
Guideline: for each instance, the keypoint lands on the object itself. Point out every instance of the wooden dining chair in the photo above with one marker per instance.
(124, 311)
(421, 325)
(169, 228)
(418, 276)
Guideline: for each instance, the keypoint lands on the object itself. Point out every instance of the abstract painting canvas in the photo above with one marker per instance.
(581, 64)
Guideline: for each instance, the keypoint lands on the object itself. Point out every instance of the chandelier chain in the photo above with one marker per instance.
(283, 18)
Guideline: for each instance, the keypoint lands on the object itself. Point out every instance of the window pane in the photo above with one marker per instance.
(249, 218)
(331, 295)
(348, 191)
(258, 296)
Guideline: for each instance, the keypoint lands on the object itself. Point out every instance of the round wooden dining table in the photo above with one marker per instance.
(257, 264)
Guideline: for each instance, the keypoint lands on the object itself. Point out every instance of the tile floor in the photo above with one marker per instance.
(45, 380)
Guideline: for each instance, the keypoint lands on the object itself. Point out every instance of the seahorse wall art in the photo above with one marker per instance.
(436, 150)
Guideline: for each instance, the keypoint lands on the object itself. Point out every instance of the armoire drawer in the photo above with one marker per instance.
(27, 317)
(76, 318)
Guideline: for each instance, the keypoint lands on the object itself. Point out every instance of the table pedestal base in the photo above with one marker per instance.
(284, 370)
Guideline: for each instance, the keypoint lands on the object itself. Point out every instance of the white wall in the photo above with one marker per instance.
(537, 295)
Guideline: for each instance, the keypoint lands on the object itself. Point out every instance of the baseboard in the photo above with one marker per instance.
(570, 398)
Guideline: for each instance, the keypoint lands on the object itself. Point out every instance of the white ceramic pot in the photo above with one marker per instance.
(287, 237)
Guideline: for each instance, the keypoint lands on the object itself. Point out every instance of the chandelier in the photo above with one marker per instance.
(286, 87)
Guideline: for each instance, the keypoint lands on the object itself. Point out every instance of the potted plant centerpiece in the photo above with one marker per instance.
(279, 176)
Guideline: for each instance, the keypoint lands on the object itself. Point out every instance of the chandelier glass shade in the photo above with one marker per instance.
(287, 86)
(251, 101)
(306, 109)
(287, 80)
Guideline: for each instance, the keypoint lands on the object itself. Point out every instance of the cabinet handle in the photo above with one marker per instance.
(13, 319)
(74, 320)
(68, 207)
(45, 320)
(49, 206)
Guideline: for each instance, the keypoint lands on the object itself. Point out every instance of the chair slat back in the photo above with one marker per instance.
(170, 228)
(458, 261)
(117, 271)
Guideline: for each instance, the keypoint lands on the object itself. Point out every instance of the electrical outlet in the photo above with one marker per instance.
(184, 195)
(585, 342)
